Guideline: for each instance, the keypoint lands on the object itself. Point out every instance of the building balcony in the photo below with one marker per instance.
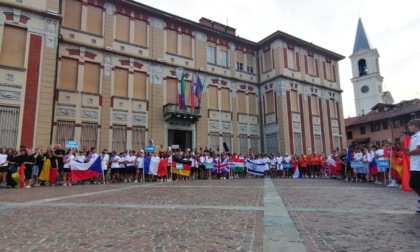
(171, 112)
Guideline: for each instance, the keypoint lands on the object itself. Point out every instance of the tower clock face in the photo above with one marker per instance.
(364, 89)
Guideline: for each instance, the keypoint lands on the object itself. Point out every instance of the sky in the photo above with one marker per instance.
(392, 28)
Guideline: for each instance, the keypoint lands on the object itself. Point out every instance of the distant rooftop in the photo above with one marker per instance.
(383, 111)
(361, 41)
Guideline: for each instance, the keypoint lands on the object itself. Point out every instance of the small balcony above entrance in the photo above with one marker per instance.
(172, 112)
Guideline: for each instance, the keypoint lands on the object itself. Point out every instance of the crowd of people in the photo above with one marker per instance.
(54, 165)
(371, 164)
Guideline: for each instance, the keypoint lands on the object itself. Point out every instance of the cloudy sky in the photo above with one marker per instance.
(393, 28)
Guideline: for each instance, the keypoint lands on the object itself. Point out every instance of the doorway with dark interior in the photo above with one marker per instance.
(183, 138)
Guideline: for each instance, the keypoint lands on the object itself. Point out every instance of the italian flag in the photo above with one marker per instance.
(239, 164)
(181, 93)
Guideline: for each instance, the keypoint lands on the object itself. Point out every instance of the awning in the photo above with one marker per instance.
(361, 140)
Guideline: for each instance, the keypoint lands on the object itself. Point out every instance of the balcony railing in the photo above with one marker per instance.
(173, 112)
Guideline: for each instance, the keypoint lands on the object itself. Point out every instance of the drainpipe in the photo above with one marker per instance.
(260, 110)
(59, 37)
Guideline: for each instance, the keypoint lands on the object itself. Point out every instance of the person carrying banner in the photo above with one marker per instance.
(413, 151)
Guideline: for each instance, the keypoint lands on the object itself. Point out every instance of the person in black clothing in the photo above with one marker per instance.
(344, 166)
(60, 153)
(30, 161)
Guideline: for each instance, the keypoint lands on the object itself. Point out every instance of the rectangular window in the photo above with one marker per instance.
(252, 102)
(9, 126)
(327, 71)
(385, 125)
(239, 66)
(314, 105)
(375, 127)
(241, 102)
(92, 78)
(268, 61)
(186, 46)
(123, 31)
(336, 143)
(297, 142)
(333, 109)
(214, 141)
(240, 57)
(272, 144)
(294, 101)
(68, 73)
(225, 93)
(139, 85)
(228, 140)
(255, 146)
(269, 102)
(13, 46)
(243, 144)
(291, 62)
(349, 135)
(138, 139)
(89, 136)
(311, 70)
(250, 62)
(65, 132)
(224, 61)
(250, 70)
(72, 14)
(171, 91)
(362, 130)
(119, 138)
(318, 143)
(121, 82)
(397, 123)
(140, 32)
(213, 97)
(172, 41)
(211, 54)
(94, 20)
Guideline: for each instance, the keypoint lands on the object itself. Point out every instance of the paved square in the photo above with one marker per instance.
(211, 215)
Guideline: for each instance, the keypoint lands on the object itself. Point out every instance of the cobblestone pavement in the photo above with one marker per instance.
(211, 215)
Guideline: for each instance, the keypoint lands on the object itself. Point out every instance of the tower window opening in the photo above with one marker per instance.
(362, 67)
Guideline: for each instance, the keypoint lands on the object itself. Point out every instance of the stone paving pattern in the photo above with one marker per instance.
(207, 215)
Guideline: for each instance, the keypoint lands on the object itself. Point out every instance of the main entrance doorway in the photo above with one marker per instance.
(183, 138)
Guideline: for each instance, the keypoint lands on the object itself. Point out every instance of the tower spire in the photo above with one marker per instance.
(361, 41)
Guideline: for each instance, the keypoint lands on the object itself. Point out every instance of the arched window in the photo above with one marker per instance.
(362, 67)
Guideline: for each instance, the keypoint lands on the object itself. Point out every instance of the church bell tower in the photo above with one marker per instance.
(367, 80)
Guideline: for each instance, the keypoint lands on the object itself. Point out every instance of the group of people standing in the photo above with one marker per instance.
(363, 164)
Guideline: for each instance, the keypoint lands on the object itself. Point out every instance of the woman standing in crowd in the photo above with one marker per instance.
(37, 165)
(68, 158)
(4, 164)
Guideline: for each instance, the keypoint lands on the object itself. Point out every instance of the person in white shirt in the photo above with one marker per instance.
(201, 165)
(130, 161)
(115, 167)
(139, 167)
(121, 166)
(209, 165)
(286, 162)
(413, 151)
(105, 161)
(169, 167)
(279, 164)
(67, 159)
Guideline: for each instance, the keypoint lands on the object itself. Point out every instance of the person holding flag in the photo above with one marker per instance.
(413, 151)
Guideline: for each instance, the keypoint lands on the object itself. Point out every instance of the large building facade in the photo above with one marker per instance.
(106, 74)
